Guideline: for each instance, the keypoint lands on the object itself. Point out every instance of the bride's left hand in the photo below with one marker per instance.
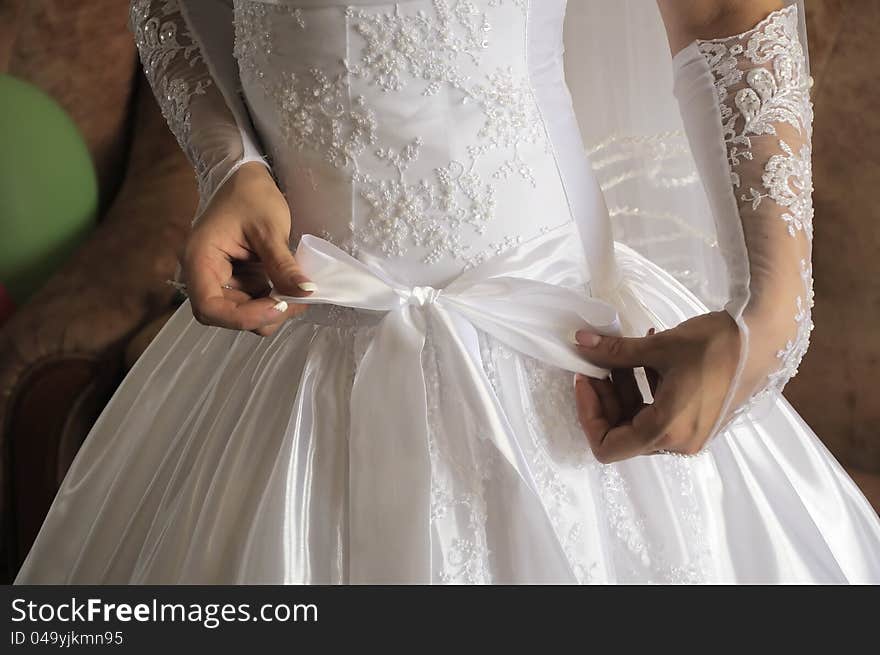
(689, 369)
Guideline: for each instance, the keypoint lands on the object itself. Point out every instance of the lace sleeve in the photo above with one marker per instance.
(746, 109)
(186, 51)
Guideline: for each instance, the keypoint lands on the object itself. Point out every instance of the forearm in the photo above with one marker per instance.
(186, 50)
(745, 107)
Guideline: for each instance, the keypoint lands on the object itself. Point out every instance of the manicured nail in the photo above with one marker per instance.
(588, 339)
(578, 377)
(308, 286)
(280, 306)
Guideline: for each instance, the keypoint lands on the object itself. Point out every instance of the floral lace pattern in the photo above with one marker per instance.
(165, 44)
(395, 51)
(429, 214)
(459, 472)
(795, 348)
(789, 180)
(561, 463)
(763, 95)
(551, 417)
(400, 48)
(312, 108)
(512, 120)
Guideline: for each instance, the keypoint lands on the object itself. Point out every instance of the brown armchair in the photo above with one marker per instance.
(64, 352)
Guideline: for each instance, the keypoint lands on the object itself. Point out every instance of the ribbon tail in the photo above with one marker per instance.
(474, 393)
(537, 319)
(389, 463)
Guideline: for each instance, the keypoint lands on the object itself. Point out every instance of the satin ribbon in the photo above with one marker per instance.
(514, 297)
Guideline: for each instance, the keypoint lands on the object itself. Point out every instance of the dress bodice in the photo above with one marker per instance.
(414, 132)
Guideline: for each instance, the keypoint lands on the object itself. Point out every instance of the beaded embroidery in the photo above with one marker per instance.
(400, 48)
(438, 49)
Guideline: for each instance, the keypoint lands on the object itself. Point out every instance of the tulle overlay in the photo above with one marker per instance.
(244, 477)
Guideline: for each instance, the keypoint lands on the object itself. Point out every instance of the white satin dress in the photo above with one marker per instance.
(417, 424)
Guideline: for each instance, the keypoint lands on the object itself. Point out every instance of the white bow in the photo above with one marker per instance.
(514, 297)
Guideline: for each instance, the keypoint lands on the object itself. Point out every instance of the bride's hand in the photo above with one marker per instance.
(689, 369)
(235, 248)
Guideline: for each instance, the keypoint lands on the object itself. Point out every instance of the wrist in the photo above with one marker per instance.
(252, 173)
(250, 184)
(772, 324)
(249, 193)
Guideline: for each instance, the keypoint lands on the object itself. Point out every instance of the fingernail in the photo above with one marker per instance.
(308, 286)
(280, 306)
(578, 377)
(586, 338)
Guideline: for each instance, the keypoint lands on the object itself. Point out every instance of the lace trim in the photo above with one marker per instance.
(162, 39)
(556, 442)
(761, 82)
(400, 48)
(459, 472)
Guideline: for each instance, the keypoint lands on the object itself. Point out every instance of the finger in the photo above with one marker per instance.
(250, 315)
(627, 391)
(207, 268)
(598, 408)
(268, 330)
(651, 375)
(609, 399)
(283, 310)
(281, 266)
(648, 427)
(619, 352)
(236, 295)
(251, 280)
(253, 287)
(630, 439)
(240, 296)
(591, 413)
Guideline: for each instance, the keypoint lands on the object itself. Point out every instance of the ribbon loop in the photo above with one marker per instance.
(421, 296)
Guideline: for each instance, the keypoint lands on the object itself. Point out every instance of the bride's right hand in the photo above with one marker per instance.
(239, 245)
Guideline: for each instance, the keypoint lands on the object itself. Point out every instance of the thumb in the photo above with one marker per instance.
(618, 352)
(281, 266)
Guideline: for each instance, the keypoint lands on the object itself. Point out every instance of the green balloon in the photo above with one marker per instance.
(48, 187)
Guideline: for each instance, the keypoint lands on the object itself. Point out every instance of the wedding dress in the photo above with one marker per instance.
(417, 424)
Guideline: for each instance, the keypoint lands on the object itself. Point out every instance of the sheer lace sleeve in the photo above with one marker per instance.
(186, 51)
(746, 109)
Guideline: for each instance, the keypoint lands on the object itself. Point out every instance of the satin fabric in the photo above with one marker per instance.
(225, 458)
(515, 298)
